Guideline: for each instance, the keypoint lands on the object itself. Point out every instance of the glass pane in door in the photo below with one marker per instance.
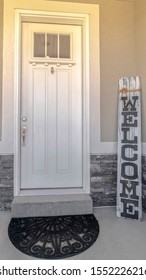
(39, 44)
(64, 46)
(52, 45)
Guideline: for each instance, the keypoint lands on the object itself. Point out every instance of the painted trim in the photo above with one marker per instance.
(112, 147)
(65, 17)
(17, 105)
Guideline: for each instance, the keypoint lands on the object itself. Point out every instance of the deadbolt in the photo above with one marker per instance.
(24, 119)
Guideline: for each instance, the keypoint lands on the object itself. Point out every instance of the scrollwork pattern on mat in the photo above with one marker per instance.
(53, 237)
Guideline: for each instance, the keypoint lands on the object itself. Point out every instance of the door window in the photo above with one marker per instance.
(49, 45)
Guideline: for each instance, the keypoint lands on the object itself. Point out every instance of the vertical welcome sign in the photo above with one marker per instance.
(129, 188)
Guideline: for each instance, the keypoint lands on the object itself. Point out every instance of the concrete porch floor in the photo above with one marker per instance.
(119, 239)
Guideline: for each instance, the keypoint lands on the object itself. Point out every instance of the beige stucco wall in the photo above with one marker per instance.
(117, 49)
(117, 58)
(1, 61)
(141, 56)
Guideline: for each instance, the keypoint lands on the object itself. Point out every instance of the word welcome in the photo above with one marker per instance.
(129, 181)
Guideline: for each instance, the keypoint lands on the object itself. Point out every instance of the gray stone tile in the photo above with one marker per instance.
(6, 181)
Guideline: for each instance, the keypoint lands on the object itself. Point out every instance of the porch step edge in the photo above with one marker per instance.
(52, 205)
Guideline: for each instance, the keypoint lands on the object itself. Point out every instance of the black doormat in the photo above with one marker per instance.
(53, 237)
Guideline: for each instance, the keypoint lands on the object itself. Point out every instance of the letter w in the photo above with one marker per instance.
(128, 103)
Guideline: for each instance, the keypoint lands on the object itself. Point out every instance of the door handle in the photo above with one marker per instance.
(24, 130)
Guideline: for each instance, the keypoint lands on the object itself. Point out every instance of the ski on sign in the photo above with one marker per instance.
(129, 186)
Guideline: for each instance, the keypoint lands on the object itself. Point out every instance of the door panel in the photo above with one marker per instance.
(51, 101)
(63, 118)
(39, 121)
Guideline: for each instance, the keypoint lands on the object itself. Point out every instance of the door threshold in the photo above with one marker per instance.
(56, 191)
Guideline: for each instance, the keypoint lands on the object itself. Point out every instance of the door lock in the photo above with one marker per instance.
(24, 119)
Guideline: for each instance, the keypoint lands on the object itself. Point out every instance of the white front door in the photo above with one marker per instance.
(51, 106)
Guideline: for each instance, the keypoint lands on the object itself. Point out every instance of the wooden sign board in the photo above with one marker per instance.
(129, 186)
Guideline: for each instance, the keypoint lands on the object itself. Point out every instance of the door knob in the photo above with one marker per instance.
(24, 130)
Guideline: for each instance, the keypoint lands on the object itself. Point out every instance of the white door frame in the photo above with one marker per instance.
(51, 17)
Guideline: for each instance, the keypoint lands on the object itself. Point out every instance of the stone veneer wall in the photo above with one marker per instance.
(6, 181)
(103, 180)
(144, 182)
